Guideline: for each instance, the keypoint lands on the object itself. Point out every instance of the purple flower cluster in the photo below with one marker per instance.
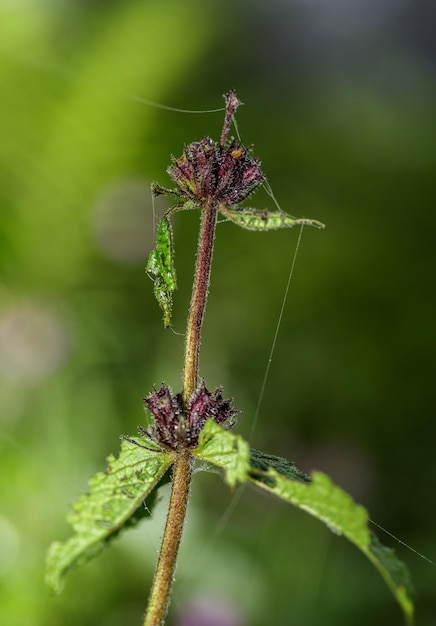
(208, 171)
(175, 427)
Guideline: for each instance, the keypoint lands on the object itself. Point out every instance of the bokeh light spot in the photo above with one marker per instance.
(33, 343)
(122, 222)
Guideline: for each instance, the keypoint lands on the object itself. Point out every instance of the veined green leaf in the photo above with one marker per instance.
(316, 495)
(322, 499)
(261, 462)
(113, 503)
(160, 268)
(254, 219)
(225, 450)
(394, 572)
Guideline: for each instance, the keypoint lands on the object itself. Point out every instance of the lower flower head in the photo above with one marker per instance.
(173, 427)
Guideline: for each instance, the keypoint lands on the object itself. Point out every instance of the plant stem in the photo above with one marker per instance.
(163, 578)
(199, 296)
(164, 574)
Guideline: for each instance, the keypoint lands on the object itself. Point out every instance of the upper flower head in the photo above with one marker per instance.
(208, 171)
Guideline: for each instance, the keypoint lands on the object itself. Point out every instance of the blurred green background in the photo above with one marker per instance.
(340, 104)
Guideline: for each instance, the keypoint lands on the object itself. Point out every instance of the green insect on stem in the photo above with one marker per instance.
(160, 268)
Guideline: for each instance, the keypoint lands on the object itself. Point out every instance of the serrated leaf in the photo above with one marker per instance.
(113, 503)
(255, 219)
(316, 495)
(261, 462)
(394, 572)
(330, 504)
(160, 268)
(225, 450)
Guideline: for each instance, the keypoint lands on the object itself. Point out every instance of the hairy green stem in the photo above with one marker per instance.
(163, 578)
(164, 574)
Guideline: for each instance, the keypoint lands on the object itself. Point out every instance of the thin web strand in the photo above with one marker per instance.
(157, 105)
(276, 334)
(403, 543)
(270, 192)
(199, 560)
(154, 215)
(228, 512)
(54, 70)
(235, 124)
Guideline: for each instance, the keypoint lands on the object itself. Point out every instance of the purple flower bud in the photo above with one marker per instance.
(167, 411)
(204, 405)
(207, 171)
(173, 427)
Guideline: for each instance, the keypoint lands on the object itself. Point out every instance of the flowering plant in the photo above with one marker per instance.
(195, 423)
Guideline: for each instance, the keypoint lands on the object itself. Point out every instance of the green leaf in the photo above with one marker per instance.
(261, 462)
(316, 495)
(225, 450)
(394, 572)
(114, 502)
(160, 268)
(254, 219)
(322, 499)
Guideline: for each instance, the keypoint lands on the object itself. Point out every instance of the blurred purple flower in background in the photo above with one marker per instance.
(209, 611)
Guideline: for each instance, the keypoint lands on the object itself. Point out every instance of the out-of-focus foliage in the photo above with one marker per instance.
(339, 102)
